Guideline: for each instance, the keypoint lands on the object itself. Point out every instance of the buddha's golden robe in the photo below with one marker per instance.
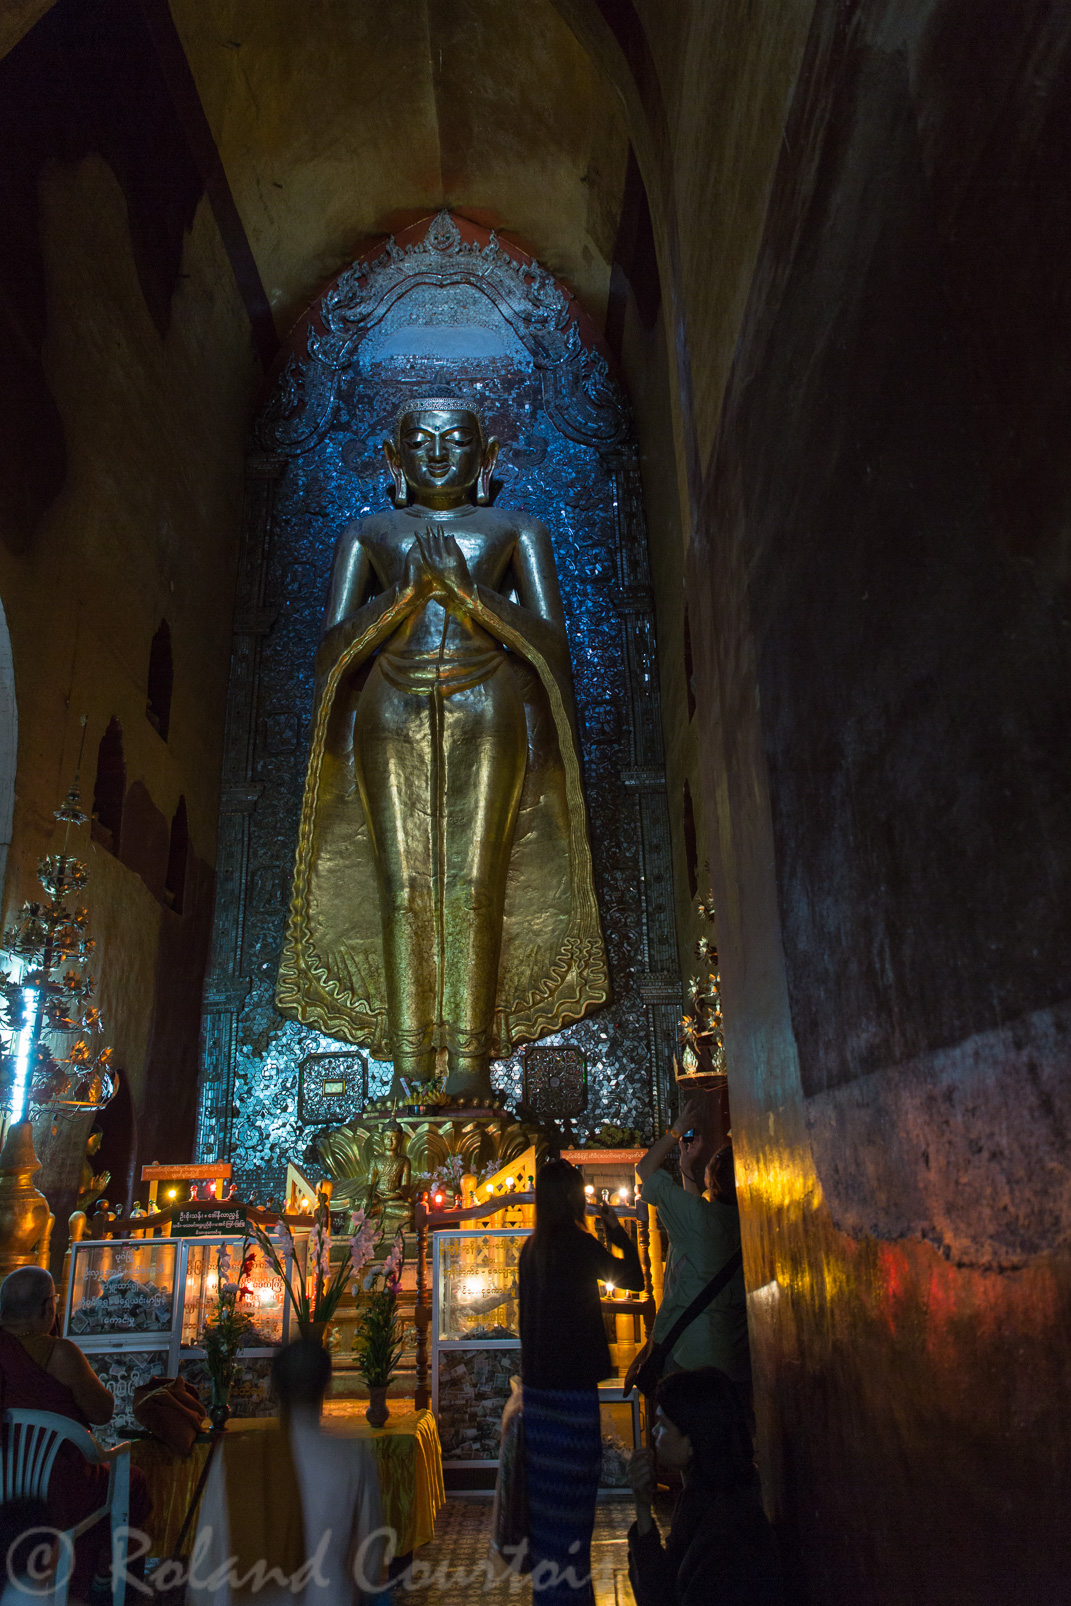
(552, 962)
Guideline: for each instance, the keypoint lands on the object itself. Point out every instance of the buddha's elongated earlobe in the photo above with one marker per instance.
(400, 492)
(487, 468)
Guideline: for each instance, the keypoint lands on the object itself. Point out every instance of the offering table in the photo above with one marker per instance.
(408, 1461)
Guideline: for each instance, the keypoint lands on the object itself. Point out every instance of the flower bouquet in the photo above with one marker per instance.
(379, 1336)
(230, 1329)
(315, 1298)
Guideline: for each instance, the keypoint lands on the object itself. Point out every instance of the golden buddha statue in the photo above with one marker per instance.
(90, 1185)
(443, 901)
(393, 1182)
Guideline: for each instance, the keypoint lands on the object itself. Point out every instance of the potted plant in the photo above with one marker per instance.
(379, 1337)
(315, 1297)
(230, 1329)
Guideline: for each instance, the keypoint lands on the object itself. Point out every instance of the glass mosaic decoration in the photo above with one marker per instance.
(453, 311)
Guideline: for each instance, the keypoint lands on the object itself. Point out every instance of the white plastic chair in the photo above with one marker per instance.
(31, 1442)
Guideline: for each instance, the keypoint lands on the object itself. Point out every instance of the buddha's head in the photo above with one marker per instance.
(440, 453)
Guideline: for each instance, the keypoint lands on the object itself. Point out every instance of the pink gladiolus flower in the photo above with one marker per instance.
(392, 1266)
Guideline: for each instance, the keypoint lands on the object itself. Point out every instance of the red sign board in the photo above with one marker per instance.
(185, 1173)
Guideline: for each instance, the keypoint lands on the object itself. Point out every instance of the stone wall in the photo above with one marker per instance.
(126, 372)
(871, 377)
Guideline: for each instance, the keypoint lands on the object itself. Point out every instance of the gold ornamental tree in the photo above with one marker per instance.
(53, 1056)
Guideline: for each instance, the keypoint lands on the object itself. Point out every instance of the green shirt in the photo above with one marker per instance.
(702, 1234)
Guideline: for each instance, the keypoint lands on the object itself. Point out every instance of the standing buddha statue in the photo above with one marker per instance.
(443, 902)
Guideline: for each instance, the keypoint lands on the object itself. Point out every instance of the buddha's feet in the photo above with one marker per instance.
(412, 1070)
(468, 1075)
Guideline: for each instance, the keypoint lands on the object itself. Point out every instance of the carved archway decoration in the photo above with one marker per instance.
(579, 393)
(445, 309)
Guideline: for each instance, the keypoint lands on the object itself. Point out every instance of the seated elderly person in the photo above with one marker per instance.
(39, 1372)
(291, 1514)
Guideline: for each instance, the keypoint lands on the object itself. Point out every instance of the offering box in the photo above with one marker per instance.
(475, 1338)
(137, 1308)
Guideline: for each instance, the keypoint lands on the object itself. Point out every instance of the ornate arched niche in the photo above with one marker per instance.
(445, 308)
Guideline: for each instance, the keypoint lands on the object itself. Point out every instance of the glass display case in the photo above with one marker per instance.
(200, 1289)
(122, 1371)
(137, 1309)
(119, 1287)
(476, 1274)
(476, 1339)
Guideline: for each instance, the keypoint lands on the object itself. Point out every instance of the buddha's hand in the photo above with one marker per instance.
(445, 562)
(416, 581)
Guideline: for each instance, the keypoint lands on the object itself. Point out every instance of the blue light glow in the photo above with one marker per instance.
(22, 1060)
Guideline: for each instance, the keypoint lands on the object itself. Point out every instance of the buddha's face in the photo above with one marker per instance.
(440, 453)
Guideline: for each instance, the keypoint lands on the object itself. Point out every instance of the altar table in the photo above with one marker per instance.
(408, 1461)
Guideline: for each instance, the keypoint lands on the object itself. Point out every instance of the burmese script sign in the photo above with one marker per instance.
(215, 1221)
(122, 1288)
(219, 1170)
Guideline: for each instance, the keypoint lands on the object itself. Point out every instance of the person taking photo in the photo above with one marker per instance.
(704, 1237)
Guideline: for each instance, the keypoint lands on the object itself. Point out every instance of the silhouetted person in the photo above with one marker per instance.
(703, 1234)
(564, 1357)
(720, 1550)
(43, 1373)
(299, 1504)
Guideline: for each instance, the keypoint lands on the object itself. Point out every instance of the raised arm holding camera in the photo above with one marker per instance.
(704, 1240)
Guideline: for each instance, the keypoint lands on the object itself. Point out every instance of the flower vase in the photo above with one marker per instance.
(377, 1412)
(219, 1405)
(314, 1331)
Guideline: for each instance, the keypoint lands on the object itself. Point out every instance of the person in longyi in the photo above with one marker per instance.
(291, 1505)
(39, 1372)
(564, 1357)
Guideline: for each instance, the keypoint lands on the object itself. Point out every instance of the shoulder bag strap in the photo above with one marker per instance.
(699, 1304)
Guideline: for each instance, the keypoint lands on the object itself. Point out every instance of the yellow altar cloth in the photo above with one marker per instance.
(408, 1461)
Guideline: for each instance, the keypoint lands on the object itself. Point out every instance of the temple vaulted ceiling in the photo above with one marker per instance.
(338, 120)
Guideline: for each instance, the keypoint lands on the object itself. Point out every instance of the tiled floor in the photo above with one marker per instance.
(452, 1570)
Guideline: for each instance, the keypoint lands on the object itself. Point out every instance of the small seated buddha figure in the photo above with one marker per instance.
(394, 1190)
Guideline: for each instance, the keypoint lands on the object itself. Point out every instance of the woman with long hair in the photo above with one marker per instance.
(564, 1357)
(720, 1546)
